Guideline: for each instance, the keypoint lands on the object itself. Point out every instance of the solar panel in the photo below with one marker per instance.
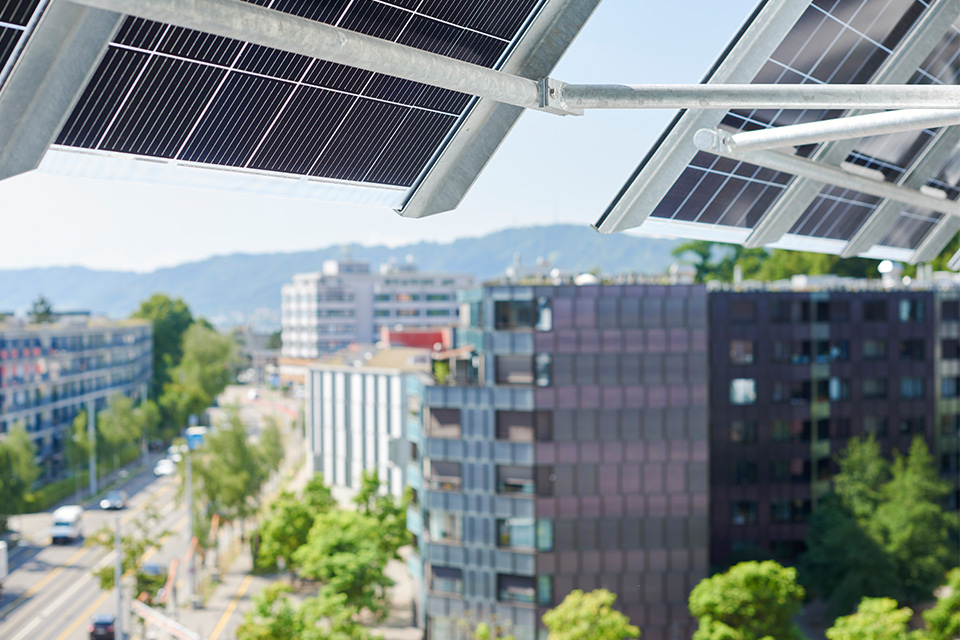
(15, 25)
(683, 191)
(194, 99)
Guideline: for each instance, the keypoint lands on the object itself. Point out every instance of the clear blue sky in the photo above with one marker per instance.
(550, 169)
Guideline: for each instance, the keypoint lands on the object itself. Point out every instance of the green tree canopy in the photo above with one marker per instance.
(118, 425)
(588, 616)
(275, 341)
(391, 514)
(862, 475)
(204, 371)
(914, 528)
(228, 471)
(751, 601)
(875, 619)
(323, 617)
(271, 445)
(171, 319)
(284, 531)
(344, 551)
(317, 495)
(18, 472)
(41, 311)
(943, 619)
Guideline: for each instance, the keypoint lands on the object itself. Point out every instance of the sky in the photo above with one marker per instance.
(550, 169)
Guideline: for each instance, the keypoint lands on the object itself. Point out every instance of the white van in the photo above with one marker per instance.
(66, 524)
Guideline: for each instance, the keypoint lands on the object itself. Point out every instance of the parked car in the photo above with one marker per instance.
(101, 626)
(164, 467)
(114, 500)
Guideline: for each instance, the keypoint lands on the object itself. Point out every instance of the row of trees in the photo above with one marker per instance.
(345, 550)
(758, 600)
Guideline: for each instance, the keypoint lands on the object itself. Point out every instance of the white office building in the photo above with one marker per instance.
(346, 303)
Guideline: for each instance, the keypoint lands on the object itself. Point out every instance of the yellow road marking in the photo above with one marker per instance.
(44, 581)
(217, 630)
(85, 615)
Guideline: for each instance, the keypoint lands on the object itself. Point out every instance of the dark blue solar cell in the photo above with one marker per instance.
(17, 12)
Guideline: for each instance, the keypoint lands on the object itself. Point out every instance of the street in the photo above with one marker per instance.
(51, 592)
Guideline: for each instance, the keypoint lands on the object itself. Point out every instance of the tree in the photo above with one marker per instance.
(914, 528)
(275, 341)
(204, 371)
(389, 513)
(324, 617)
(875, 619)
(171, 319)
(271, 445)
(862, 475)
(943, 619)
(753, 600)
(588, 616)
(317, 495)
(284, 531)
(18, 472)
(118, 425)
(133, 544)
(41, 311)
(228, 471)
(77, 446)
(843, 563)
(343, 551)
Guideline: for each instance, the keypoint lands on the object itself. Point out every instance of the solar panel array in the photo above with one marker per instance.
(178, 94)
(833, 42)
(15, 17)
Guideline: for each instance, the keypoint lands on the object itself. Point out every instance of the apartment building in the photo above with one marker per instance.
(50, 372)
(360, 403)
(567, 449)
(347, 303)
(796, 373)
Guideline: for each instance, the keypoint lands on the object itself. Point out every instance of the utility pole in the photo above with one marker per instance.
(117, 577)
(92, 441)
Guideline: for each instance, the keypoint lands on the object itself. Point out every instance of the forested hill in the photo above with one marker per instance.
(243, 283)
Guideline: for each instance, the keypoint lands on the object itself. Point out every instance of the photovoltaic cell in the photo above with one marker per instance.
(833, 42)
(14, 17)
(175, 93)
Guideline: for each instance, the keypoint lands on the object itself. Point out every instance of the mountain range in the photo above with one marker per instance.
(235, 288)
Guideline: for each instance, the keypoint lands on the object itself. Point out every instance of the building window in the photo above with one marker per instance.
(438, 312)
(442, 475)
(544, 369)
(381, 313)
(743, 513)
(910, 310)
(907, 426)
(446, 580)
(438, 297)
(950, 310)
(951, 349)
(876, 425)
(745, 472)
(836, 351)
(874, 388)
(516, 426)
(949, 424)
(912, 388)
(795, 470)
(839, 389)
(743, 391)
(950, 387)
(743, 312)
(516, 588)
(443, 423)
(545, 590)
(544, 317)
(789, 510)
(544, 534)
(514, 370)
(513, 480)
(743, 431)
(516, 533)
(444, 526)
(912, 350)
(741, 352)
(407, 313)
(780, 311)
(875, 311)
(874, 349)
(513, 314)
(791, 431)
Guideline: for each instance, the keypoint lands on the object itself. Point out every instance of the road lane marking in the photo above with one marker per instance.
(40, 584)
(225, 618)
(85, 615)
(25, 631)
